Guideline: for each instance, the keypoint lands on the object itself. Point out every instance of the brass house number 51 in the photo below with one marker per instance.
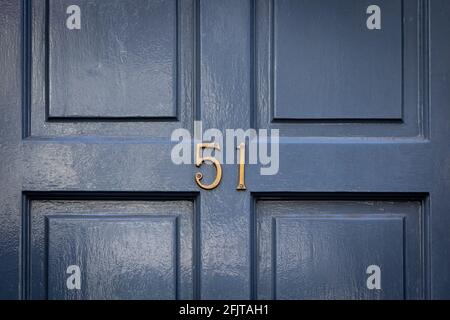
(199, 160)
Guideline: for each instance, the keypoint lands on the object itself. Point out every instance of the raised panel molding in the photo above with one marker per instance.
(145, 92)
(127, 245)
(318, 246)
(405, 117)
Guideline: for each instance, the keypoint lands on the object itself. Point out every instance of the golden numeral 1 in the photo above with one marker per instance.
(241, 183)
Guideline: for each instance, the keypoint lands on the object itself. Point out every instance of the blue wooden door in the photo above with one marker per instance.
(94, 207)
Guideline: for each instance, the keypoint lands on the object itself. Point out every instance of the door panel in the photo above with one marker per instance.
(124, 249)
(338, 270)
(126, 50)
(328, 65)
(106, 79)
(356, 83)
(119, 258)
(310, 249)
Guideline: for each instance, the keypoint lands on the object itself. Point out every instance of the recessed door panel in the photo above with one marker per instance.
(333, 61)
(327, 258)
(339, 249)
(112, 58)
(115, 258)
(110, 249)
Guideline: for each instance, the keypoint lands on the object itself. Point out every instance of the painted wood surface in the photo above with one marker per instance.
(86, 176)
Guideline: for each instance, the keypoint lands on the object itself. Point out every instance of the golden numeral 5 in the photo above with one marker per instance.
(199, 159)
